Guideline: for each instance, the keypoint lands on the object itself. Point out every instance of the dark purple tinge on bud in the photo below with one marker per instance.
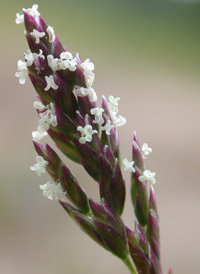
(114, 142)
(155, 264)
(136, 154)
(54, 48)
(152, 201)
(80, 78)
(106, 181)
(31, 23)
(42, 23)
(86, 223)
(107, 215)
(154, 269)
(140, 211)
(85, 105)
(38, 147)
(114, 219)
(35, 48)
(118, 188)
(139, 256)
(74, 192)
(104, 214)
(89, 227)
(65, 123)
(113, 240)
(109, 156)
(80, 121)
(140, 260)
(98, 211)
(139, 195)
(153, 234)
(112, 186)
(65, 145)
(66, 98)
(88, 158)
(144, 244)
(153, 230)
(132, 237)
(39, 85)
(156, 248)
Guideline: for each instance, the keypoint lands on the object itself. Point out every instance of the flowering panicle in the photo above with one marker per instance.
(87, 134)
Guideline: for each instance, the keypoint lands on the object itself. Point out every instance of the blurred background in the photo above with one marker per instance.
(145, 52)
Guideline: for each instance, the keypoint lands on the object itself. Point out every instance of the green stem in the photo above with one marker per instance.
(129, 265)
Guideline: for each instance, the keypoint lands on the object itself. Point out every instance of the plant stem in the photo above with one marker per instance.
(129, 265)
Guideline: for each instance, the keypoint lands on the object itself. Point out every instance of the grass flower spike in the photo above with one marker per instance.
(86, 133)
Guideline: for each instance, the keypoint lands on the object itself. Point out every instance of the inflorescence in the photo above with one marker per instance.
(87, 134)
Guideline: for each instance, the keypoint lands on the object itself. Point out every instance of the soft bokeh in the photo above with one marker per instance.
(147, 53)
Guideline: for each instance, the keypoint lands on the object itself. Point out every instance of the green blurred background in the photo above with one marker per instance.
(145, 52)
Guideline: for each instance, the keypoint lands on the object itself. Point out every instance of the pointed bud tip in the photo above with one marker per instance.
(38, 146)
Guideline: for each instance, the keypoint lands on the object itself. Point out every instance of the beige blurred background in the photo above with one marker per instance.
(145, 52)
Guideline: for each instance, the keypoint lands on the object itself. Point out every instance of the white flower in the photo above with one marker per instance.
(50, 83)
(22, 72)
(33, 11)
(66, 55)
(51, 34)
(80, 91)
(108, 126)
(38, 136)
(116, 120)
(68, 60)
(119, 121)
(19, 19)
(60, 64)
(31, 57)
(71, 64)
(146, 150)
(37, 35)
(87, 67)
(113, 103)
(54, 63)
(39, 105)
(52, 190)
(128, 165)
(148, 176)
(40, 54)
(40, 166)
(89, 79)
(47, 118)
(86, 133)
(97, 112)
